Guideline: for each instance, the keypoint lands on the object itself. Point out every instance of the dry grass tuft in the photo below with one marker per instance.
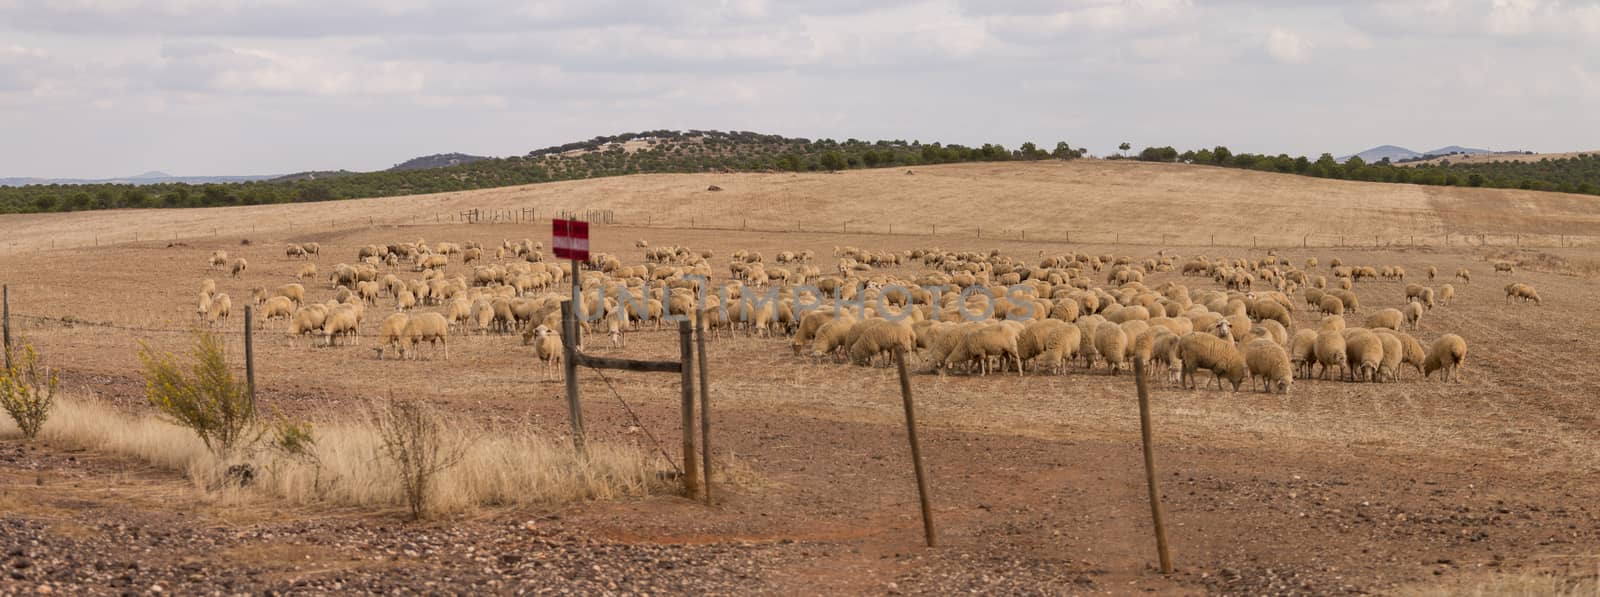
(346, 464)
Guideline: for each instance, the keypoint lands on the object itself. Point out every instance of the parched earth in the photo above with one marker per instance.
(1038, 483)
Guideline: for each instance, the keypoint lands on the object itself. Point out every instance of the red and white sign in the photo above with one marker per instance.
(570, 239)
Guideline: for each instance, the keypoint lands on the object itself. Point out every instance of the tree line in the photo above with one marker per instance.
(655, 152)
(1578, 174)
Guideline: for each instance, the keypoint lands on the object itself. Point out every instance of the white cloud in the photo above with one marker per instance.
(1287, 47)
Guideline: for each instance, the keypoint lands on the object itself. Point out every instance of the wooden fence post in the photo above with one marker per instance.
(691, 472)
(569, 365)
(250, 353)
(916, 448)
(705, 404)
(1150, 466)
(5, 319)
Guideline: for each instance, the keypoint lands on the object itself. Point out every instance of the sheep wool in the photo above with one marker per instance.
(1268, 361)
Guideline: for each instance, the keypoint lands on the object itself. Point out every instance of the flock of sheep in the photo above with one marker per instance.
(961, 312)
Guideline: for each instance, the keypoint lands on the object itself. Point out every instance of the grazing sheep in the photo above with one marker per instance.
(1446, 356)
(1522, 291)
(1271, 310)
(221, 309)
(391, 331)
(341, 321)
(1331, 305)
(547, 347)
(830, 338)
(219, 259)
(1049, 343)
(1330, 352)
(1465, 275)
(1205, 351)
(204, 308)
(1432, 272)
(1447, 293)
(1393, 354)
(1504, 266)
(1303, 352)
(239, 266)
(1364, 352)
(879, 337)
(983, 342)
(1111, 341)
(1351, 303)
(277, 307)
(405, 300)
(293, 251)
(1387, 318)
(429, 327)
(293, 292)
(1267, 360)
(1410, 350)
(208, 287)
(1331, 323)
(308, 270)
(311, 248)
(1413, 315)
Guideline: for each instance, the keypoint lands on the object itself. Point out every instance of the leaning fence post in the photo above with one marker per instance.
(569, 365)
(1150, 466)
(705, 404)
(691, 473)
(916, 447)
(250, 354)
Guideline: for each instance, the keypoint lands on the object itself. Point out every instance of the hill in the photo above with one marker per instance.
(441, 160)
(1500, 156)
(148, 178)
(1392, 153)
(1081, 201)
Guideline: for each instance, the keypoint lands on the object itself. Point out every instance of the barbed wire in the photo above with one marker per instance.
(71, 322)
(636, 421)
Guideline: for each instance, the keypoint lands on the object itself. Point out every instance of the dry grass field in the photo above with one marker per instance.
(1037, 481)
(1479, 158)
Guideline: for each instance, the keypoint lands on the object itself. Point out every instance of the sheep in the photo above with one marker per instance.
(293, 251)
(293, 292)
(341, 321)
(1447, 355)
(219, 259)
(1330, 352)
(391, 331)
(880, 337)
(1413, 315)
(1504, 266)
(1050, 343)
(308, 319)
(1394, 353)
(1411, 351)
(1351, 303)
(547, 347)
(1303, 352)
(1465, 275)
(1331, 305)
(1271, 310)
(1387, 318)
(239, 266)
(983, 342)
(1364, 352)
(1164, 352)
(208, 287)
(1447, 293)
(221, 309)
(430, 327)
(312, 248)
(1111, 341)
(405, 300)
(830, 338)
(1267, 360)
(308, 270)
(204, 308)
(1522, 291)
(1205, 351)
(1432, 272)
(277, 307)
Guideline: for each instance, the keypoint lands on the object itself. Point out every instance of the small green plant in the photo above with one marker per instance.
(416, 443)
(204, 396)
(27, 389)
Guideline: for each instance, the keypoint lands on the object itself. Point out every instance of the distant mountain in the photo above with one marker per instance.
(142, 179)
(441, 160)
(1393, 152)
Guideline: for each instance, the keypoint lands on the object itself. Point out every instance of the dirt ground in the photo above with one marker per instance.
(1037, 482)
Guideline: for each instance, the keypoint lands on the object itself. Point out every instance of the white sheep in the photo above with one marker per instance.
(391, 331)
(1201, 350)
(547, 347)
(429, 327)
(1447, 355)
(1268, 361)
(239, 265)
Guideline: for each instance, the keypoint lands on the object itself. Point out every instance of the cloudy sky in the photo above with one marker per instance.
(93, 88)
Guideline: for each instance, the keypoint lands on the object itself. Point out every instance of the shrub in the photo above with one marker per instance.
(27, 390)
(416, 444)
(206, 399)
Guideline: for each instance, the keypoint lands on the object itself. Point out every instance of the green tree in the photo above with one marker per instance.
(831, 161)
(1125, 146)
(1221, 156)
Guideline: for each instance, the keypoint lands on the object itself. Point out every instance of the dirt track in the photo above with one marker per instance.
(1038, 482)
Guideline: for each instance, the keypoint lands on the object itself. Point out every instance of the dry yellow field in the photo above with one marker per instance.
(1337, 487)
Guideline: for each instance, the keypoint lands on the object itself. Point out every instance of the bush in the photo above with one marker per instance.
(27, 390)
(206, 399)
(415, 442)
